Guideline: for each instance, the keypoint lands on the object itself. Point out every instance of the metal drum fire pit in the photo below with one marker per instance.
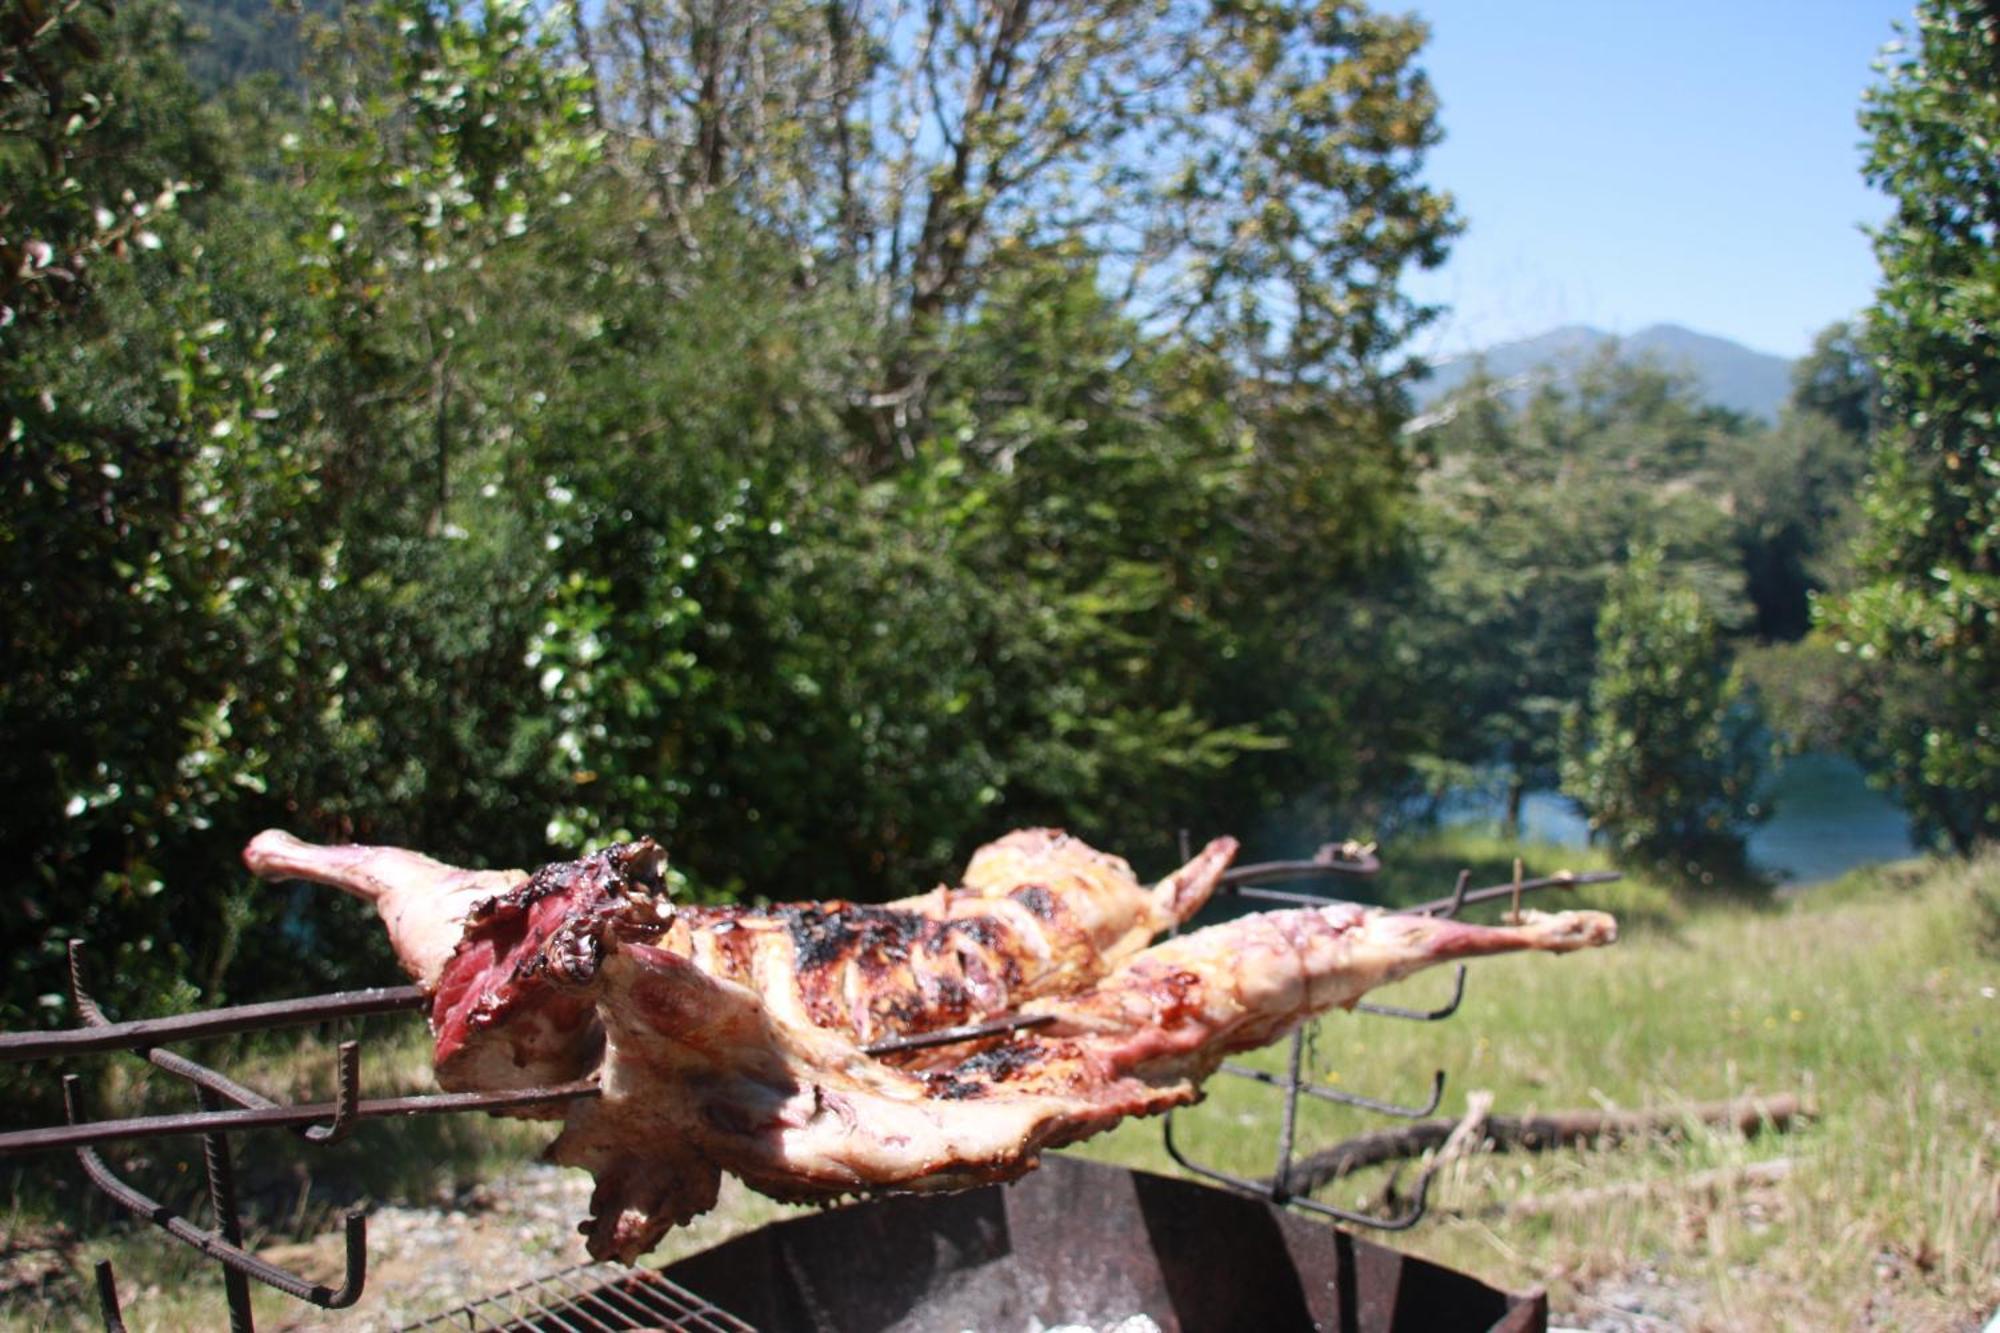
(1076, 1243)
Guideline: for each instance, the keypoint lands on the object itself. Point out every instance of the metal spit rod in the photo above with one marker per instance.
(140, 1033)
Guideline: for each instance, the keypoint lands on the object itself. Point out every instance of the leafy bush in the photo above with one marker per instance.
(1663, 759)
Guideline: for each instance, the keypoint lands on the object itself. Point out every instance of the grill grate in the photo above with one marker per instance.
(588, 1298)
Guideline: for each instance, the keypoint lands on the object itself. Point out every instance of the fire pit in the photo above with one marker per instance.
(1080, 1243)
(1075, 1245)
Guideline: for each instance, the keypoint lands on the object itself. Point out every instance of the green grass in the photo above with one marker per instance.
(1874, 998)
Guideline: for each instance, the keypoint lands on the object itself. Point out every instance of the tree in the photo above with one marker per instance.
(454, 467)
(1793, 487)
(1528, 513)
(1247, 172)
(1661, 759)
(1924, 620)
(109, 636)
(1837, 380)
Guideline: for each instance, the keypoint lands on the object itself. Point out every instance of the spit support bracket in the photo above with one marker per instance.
(1354, 861)
(227, 1106)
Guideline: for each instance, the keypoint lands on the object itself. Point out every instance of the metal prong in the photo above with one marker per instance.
(1419, 1205)
(1456, 903)
(918, 1041)
(86, 1007)
(346, 1100)
(1326, 1094)
(107, 1298)
(1420, 1015)
(1262, 1189)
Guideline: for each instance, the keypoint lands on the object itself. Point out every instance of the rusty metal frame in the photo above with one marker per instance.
(1293, 1083)
(226, 1107)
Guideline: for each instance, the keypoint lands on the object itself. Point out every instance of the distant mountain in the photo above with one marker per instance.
(1727, 373)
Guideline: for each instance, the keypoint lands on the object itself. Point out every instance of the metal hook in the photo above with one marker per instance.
(86, 1007)
(204, 1078)
(346, 1100)
(1385, 1108)
(1269, 1191)
(1420, 1015)
(107, 1298)
(1562, 879)
(214, 1246)
(1420, 1202)
(1333, 858)
(1456, 902)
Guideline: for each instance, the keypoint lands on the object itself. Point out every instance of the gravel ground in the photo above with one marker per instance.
(426, 1260)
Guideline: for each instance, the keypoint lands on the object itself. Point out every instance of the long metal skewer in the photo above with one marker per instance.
(141, 1033)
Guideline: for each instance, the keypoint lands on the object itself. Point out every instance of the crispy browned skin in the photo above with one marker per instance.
(1042, 912)
(800, 1112)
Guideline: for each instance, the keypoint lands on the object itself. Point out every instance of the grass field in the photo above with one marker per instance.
(1874, 997)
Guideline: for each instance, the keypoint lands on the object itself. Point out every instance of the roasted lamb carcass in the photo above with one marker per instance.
(732, 1039)
(502, 951)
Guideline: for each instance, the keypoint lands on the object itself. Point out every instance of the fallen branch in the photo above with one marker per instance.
(1558, 1129)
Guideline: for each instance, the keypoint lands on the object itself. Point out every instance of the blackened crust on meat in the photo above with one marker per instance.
(1002, 1062)
(1037, 900)
(977, 1074)
(952, 1090)
(826, 935)
(623, 869)
(884, 970)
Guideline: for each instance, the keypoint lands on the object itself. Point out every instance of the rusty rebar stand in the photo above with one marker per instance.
(1351, 862)
(227, 1107)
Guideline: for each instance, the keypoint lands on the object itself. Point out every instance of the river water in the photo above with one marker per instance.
(1825, 821)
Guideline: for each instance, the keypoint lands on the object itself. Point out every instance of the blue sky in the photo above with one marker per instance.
(1625, 163)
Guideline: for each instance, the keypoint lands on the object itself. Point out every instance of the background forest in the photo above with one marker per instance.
(822, 435)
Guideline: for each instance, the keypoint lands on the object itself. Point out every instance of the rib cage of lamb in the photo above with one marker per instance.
(732, 1038)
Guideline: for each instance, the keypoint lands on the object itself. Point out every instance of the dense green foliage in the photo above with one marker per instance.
(1794, 487)
(1661, 757)
(1531, 512)
(500, 430)
(434, 460)
(1923, 621)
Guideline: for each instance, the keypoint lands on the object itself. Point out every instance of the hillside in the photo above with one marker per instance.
(1729, 373)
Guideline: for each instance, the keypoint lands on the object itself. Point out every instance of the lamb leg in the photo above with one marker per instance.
(424, 903)
(1176, 1009)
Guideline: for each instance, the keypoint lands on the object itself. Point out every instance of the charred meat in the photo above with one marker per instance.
(731, 1039)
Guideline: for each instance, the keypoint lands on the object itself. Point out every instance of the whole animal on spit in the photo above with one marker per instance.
(732, 1038)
